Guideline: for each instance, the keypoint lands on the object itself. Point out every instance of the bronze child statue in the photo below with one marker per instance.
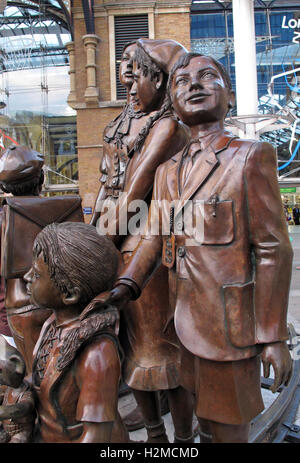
(21, 174)
(119, 136)
(17, 412)
(232, 273)
(128, 168)
(76, 364)
(24, 215)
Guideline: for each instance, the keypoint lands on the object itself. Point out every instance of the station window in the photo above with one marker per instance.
(34, 86)
(127, 29)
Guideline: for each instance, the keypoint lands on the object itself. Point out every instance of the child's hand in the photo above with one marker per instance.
(277, 354)
(118, 296)
(99, 302)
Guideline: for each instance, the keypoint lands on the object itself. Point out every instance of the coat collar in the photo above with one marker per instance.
(218, 144)
(209, 162)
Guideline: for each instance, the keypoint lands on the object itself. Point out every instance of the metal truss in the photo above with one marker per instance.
(27, 37)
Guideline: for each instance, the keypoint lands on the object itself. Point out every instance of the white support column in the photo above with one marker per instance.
(245, 62)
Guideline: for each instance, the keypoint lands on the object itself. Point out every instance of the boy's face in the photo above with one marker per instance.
(199, 93)
(125, 69)
(40, 287)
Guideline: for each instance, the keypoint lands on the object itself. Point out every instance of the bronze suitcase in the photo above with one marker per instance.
(23, 218)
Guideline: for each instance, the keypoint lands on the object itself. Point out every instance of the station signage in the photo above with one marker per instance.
(292, 24)
(288, 190)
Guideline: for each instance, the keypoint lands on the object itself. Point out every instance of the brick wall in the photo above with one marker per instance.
(91, 124)
(174, 26)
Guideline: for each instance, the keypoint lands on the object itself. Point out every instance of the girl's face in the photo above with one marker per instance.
(144, 91)
(125, 69)
(40, 287)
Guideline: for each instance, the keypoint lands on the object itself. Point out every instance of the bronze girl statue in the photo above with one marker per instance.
(129, 163)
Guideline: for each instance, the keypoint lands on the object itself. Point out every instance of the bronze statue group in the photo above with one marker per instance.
(164, 311)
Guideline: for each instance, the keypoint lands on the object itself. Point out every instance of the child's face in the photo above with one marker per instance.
(40, 287)
(143, 91)
(199, 93)
(125, 69)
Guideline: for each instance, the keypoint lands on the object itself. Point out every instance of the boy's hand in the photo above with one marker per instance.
(277, 354)
(118, 297)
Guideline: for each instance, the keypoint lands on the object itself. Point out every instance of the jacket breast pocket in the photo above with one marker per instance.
(239, 314)
(218, 224)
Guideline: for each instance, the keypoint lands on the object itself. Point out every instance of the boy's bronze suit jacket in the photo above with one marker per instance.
(230, 286)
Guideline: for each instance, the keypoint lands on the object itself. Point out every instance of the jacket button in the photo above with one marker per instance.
(179, 226)
(181, 251)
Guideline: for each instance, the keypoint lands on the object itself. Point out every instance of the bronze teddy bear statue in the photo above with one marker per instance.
(17, 412)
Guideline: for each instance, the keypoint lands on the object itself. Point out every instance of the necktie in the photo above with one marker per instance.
(195, 147)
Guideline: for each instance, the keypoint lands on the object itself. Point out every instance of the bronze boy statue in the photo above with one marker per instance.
(231, 271)
(76, 366)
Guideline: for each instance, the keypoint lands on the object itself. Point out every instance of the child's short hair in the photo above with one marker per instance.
(184, 61)
(77, 256)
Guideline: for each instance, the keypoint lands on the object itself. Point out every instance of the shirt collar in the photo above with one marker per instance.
(201, 143)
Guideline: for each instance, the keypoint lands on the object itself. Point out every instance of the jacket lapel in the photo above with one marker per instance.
(204, 166)
(51, 372)
(45, 327)
(173, 175)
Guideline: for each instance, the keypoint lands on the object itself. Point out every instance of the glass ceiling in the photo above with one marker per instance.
(33, 34)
